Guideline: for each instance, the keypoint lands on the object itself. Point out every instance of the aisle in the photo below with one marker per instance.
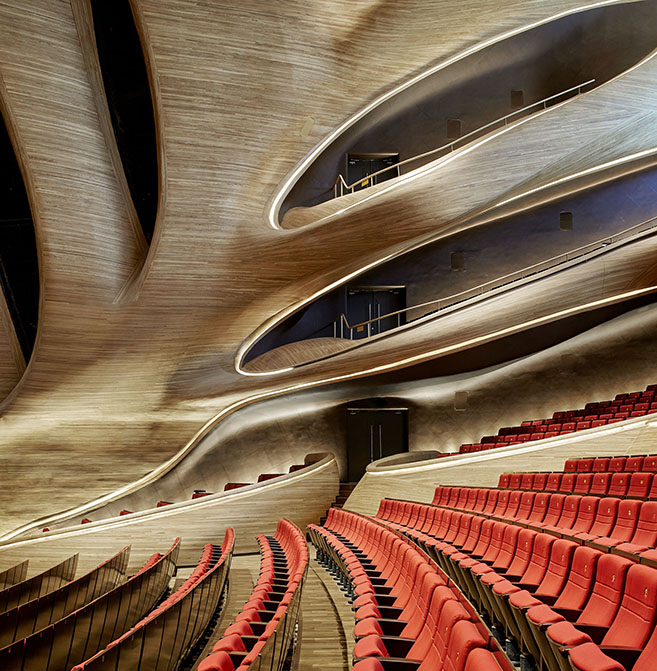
(327, 623)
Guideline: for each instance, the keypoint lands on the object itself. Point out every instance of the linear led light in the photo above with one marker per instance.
(303, 165)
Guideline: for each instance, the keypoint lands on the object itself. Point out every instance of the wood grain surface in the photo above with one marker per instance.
(135, 351)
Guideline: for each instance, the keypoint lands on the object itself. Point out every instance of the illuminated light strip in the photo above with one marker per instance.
(270, 324)
(262, 396)
(287, 185)
(533, 446)
(165, 511)
(582, 173)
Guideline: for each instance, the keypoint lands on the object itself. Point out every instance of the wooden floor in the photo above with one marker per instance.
(327, 623)
(327, 620)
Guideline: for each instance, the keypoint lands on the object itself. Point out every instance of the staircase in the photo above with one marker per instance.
(343, 494)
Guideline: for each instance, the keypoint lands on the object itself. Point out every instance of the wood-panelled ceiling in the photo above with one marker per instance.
(135, 349)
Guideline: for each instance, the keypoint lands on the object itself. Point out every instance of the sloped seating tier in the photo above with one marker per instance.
(19, 622)
(408, 612)
(551, 592)
(592, 415)
(79, 635)
(32, 588)
(163, 637)
(622, 526)
(634, 476)
(263, 632)
(14, 574)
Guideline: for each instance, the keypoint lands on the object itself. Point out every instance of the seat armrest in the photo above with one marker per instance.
(390, 612)
(624, 656)
(569, 613)
(596, 633)
(397, 646)
(392, 664)
(391, 627)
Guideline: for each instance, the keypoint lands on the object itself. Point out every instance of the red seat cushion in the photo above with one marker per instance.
(589, 657)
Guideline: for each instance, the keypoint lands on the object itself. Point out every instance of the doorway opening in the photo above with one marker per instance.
(362, 168)
(366, 309)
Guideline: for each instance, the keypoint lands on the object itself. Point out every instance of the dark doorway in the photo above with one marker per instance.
(361, 166)
(365, 306)
(374, 433)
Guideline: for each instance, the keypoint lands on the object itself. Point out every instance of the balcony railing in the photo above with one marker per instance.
(340, 188)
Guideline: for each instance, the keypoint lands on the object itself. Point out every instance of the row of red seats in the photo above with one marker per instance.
(627, 526)
(213, 558)
(633, 464)
(405, 609)
(263, 477)
(601, 413)
(261, 633)
(639, 484)
(528, 581)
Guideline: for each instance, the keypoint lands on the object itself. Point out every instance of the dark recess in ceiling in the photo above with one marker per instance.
(129, 99)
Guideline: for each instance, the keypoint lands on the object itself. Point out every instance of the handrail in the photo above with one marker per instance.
(523, 273)
(451, 146)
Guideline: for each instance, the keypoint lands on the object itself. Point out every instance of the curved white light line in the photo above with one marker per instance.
(532, 446)
(284, 314)
(289, 182)
(262, 396)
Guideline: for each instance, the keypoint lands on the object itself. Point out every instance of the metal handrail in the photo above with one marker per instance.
(523, 273)
(451, 146)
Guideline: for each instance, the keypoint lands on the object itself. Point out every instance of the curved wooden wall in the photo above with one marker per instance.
(133, 357)
(300, 497)
(417, 481)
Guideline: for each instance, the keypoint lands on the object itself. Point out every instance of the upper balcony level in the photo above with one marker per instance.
(471, 95)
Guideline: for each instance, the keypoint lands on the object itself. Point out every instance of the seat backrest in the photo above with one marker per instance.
(480, 503)
(619, 484)
(633, 623)
(514, 480)
(605, 517)
(588, 507)
(523, 554)
(640, 484)
(617, 463)
(634, 463)
(570, 466)
(570, 511)
(585, 465)
(626, 520)
(527, 481)
(555, 508)
(553, 482)
(646, 528)
(580, 579)
(463, 639)
(600, 483)
(601, 464)
(491, 502)
(650, 463)
(526, 505)
(508, 548)
(431, 644)
(503, 482)
(502, 502)
(583, 483)
(514, 504)
(646, 661)
(540, 480)
(539, 560)
(561, 555)
(541, 503)
(568, 482)
(601, 608)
